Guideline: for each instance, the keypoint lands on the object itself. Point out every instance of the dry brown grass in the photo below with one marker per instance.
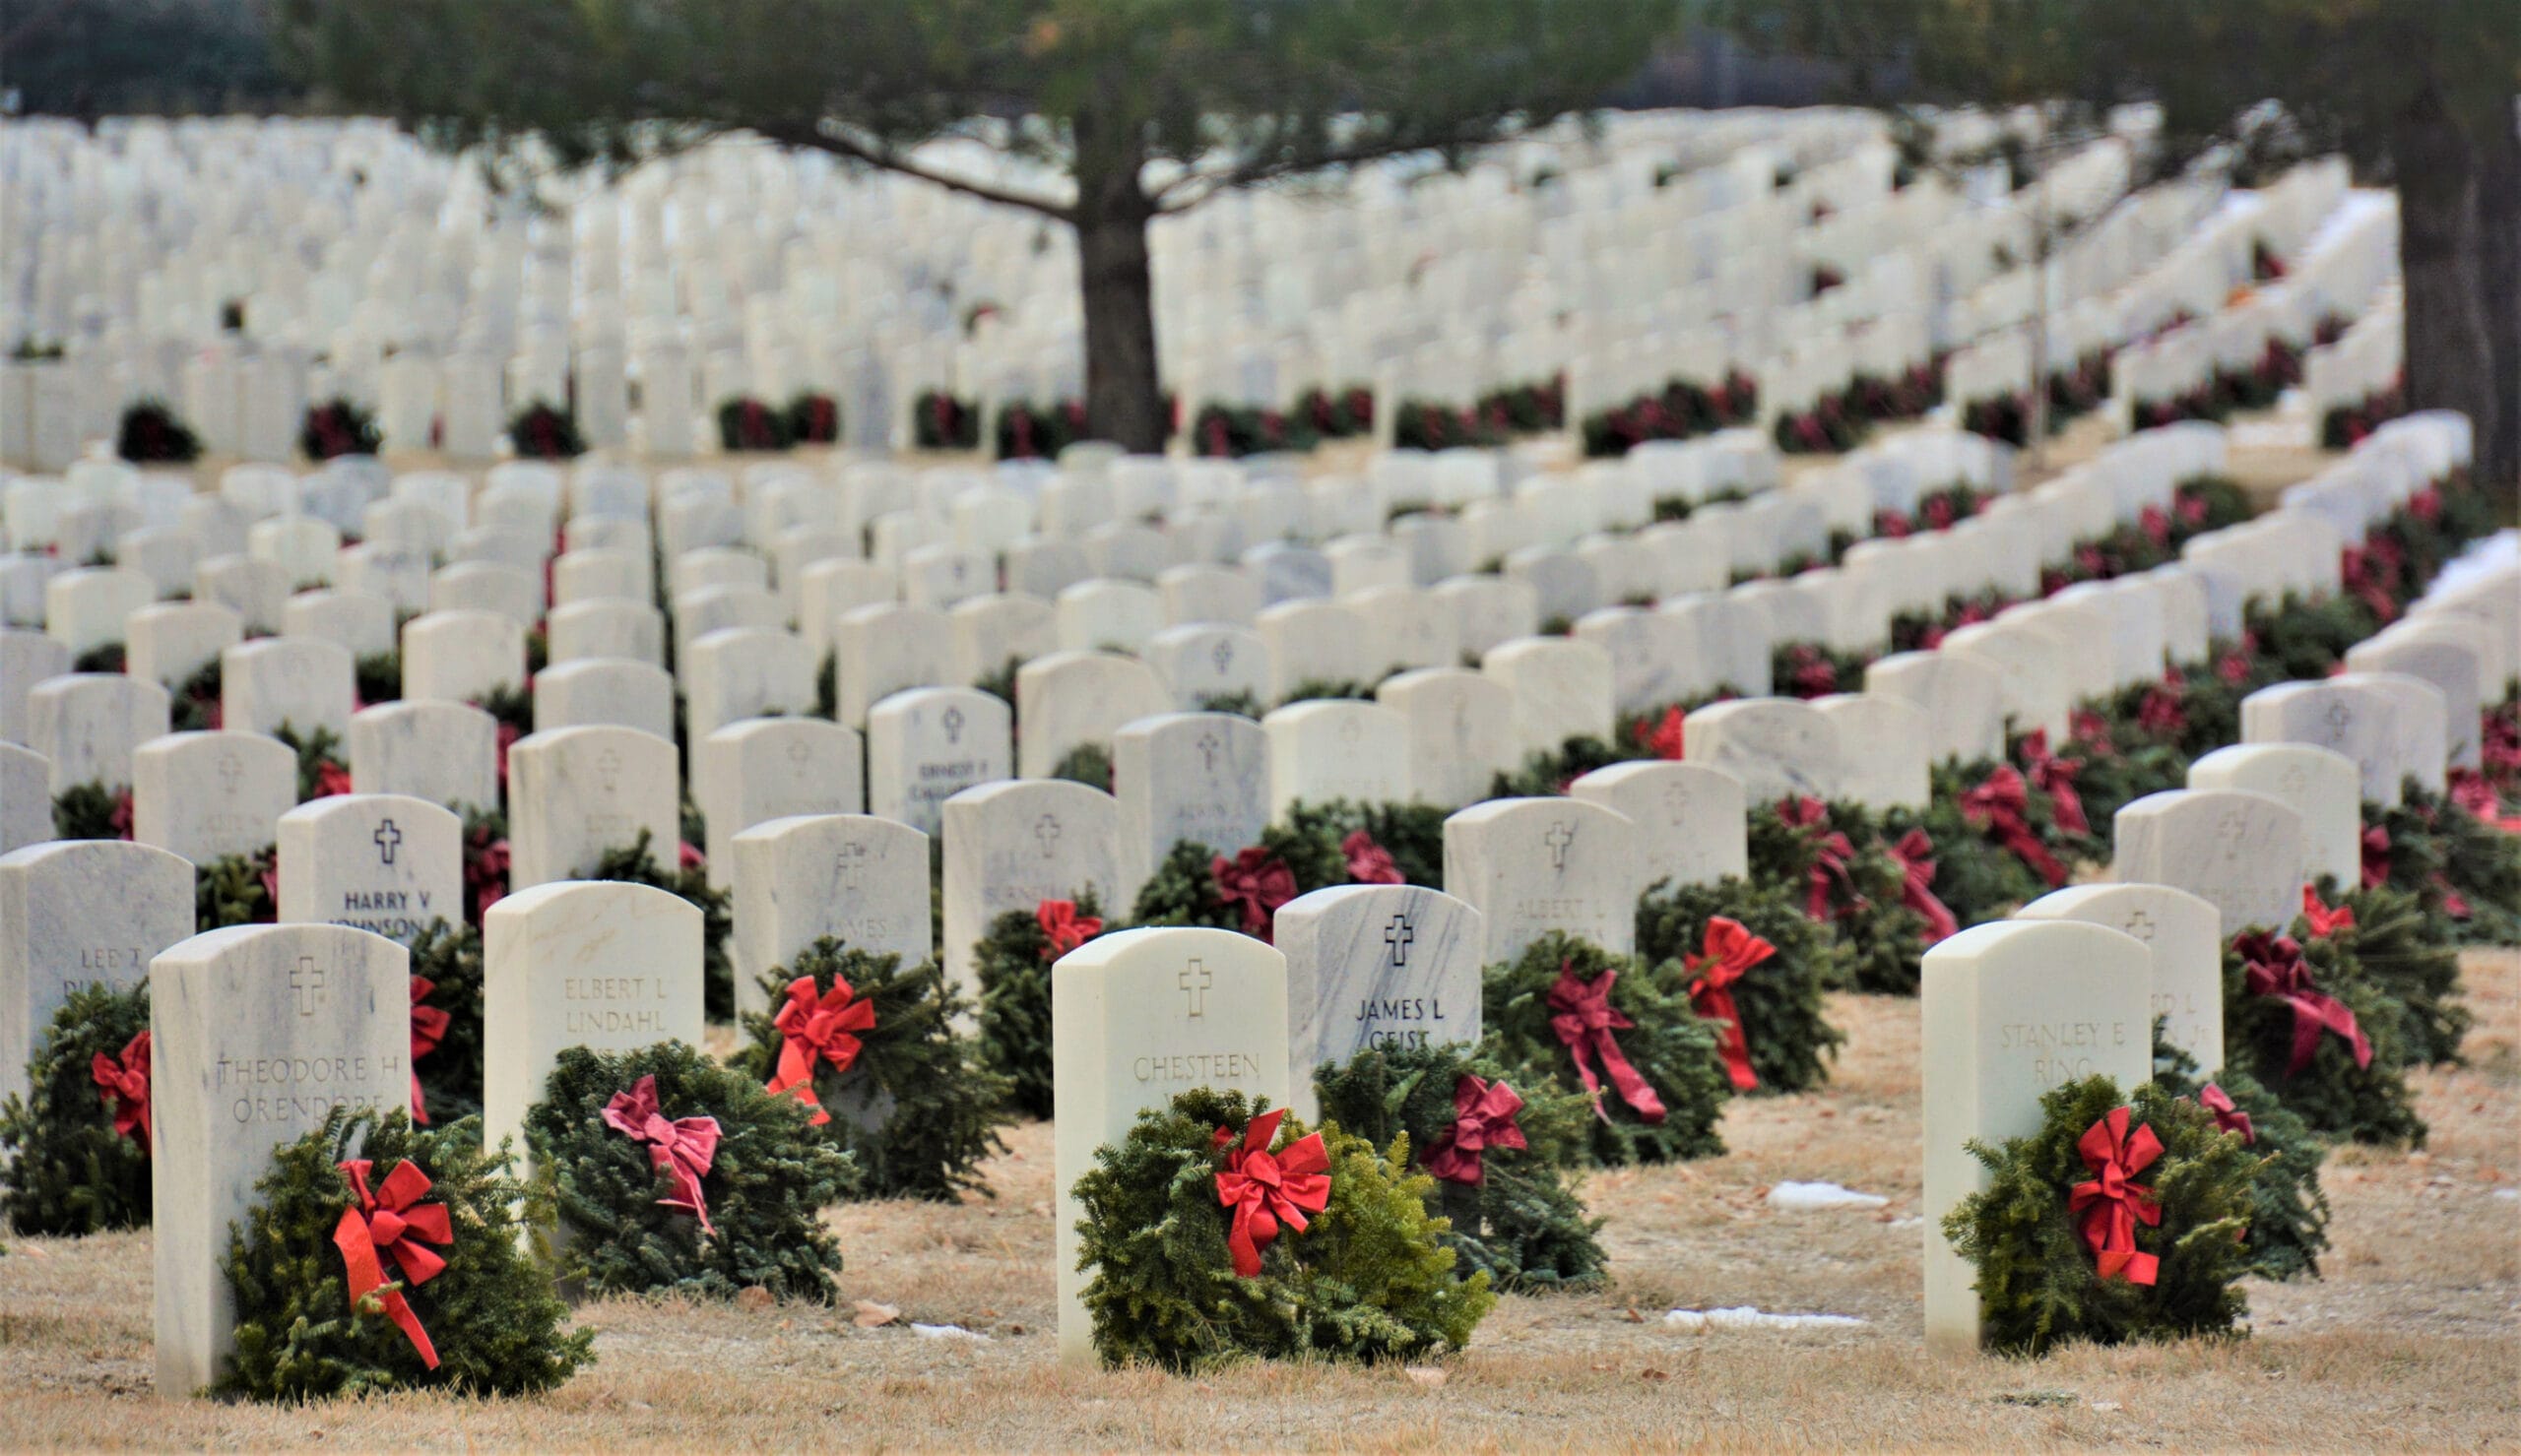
(2413, 1340)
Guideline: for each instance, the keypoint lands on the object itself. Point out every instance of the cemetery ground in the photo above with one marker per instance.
(2412, 1338)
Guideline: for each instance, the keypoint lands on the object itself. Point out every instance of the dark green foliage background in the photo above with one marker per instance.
(1670, 1047)
(1013, 973)
(67, 1171)
(1781, 999)
(2288, 1214)
(2335, 1097)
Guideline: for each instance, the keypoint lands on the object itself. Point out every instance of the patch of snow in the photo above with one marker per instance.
(1821, 1195)
(1744, 1317)
(946, 1332)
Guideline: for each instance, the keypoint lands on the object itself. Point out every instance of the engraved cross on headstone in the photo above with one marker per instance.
(852, 859)
(388, 838)
(231, 769)
(1197, 994)
(607, 770)
(1350, 730)
(2141, 926)
(952, 721)
(1560, 837)
(1398, 935)
(307, 983)
(2231, 829)
(2338, 717)
(1208, 747)
(799, 751)
(1222, 655)
(1046, 830)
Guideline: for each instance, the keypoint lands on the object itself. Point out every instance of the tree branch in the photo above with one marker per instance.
(877, 153)
(1170, 199)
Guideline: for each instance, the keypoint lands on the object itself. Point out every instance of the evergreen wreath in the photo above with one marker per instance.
(1011, 965)
(320, 770)
(237, 890)
(106, 657)
(813, 419)
(2387, 935)
(1523, 1221)
(2350, 1087)
(635, 864)
(1188, 888)
(338, 427)
(1546, 773)
(545, 431)
(1368, 1277)
(1411, 834)
(2466, 872)
(887, 1042)
(491, 1313)
(1780, 1002)
(2039, 1254)
(78, 1149)
(152, 434)
(2288, 1214)
(91, 810)
(1089, 764)
(448, 958)
(762, 1184)
(1672, 1051)
(195, 707)
(378, 677)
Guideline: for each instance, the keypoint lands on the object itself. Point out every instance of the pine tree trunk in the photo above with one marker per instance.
(1124, 398)
(2500, 290)
(2449, 366)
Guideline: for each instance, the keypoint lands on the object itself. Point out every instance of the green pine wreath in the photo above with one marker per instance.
(2338, 1099)
(1669, 1046)
(92, 810)
(1412, 834)
(2391, 943)
(196, 706)
(1522, 1222)
(491, 1314)
(945, 1101)
(2466, 873)
(768, 1179)
(449, 957)
(237, 890)
(2039, 1283)
(1089, 764)
(1184, 891)
(1011, 965)
(1546, 773)
(1780, 1000)
(2288, 1214)
(1370, 1279)
(68, 1170)
(634, 865)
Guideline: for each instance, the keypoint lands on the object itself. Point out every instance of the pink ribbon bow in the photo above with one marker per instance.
(2324, 919)
(2055, 777)
(1483, 1118)
(1369, 863)
(2227, 1116)
(1259, 882)
(1914, 853)
(1582, 1018)
(1268, 1189)
(1831, 852)
(2275, 968)
(682, 1148)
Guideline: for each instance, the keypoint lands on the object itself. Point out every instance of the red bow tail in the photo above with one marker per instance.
(1729, 952)
(1914, 855)
(2275, 969)
(1584, 1022)
(428, 1028)
(124, 1087)
(1996, 806)
(813, 1028)
(392, 1222)
(2227, 1116)
(2110, 1205)
(682, 1149)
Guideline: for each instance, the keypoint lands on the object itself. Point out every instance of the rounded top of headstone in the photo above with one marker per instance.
(530, 904)
(2041, 937)
(332, 805)
(2236, 756)
(1184, 722)
(385, 713)
(979, 795)
(215, 945)
(1166, 941)
(1295, 714)
(2078, 901)
(851, 826)
(589, 734)
(1618, 775)
(72, 853)
(1504, 808)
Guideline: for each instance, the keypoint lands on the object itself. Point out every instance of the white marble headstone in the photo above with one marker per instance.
(1375, 966)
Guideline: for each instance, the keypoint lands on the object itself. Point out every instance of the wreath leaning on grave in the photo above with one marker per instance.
(2288, 1214)
(669, 1172)
(1408, 837)
(237, 890)
(1569, 1015)
(1498, 1159)
(1013, 966)
(446, 1023)
(78, 1140)
(2387, 935)
(91, 810)
(2122, 1219)
(849, 1031)
(396, 1268)
(1215, 1230)
(635, 864)
(1784, 1042)
(2308, 1023)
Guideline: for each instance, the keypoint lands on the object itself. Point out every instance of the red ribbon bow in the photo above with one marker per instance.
(2227, 1117)
(681, 1147)
(1259, 882)
(1996, 806)
(1831, 852)
(2376, 857)
(1582, 1017)
(812, 1027)
(428, 1028)
(393, 1224)
(1065, 927)
(2473, 791)
(2275, 968)
(1483, 1118)
(1670, 738)
(1729, 951)
(124, 1087)
(2055, 777)
(1266, 1189)
(1369, 863)
(1914, 853)
(485, 870)
(2325, 921)
(2112, 1207)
